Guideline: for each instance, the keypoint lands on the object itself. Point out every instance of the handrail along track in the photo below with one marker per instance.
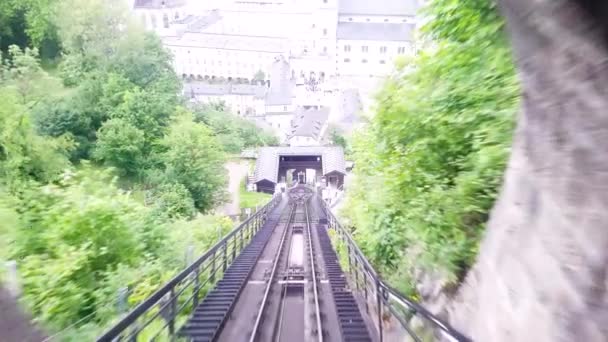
(191, 282)
(366, 279)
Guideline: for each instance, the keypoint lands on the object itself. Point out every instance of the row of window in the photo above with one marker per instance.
(347, 60)
(385, 20)
(383, 49)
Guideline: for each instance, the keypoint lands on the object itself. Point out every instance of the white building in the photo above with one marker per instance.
(323, 39)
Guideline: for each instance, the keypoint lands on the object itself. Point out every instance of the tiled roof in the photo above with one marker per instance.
(308, 123)
(267, 164)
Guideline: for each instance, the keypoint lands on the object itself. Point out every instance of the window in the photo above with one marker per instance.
(153, 21)
(386, 20)
(401, 50)
(364, 61)
(364, 48)
(350, 19)
(383, 49)
(325, 32)
(346, 60)
(325, 49)
(346, 48)
(382, 61)
(165, 21)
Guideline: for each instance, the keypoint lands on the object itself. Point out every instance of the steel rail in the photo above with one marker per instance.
(275, 263)
(278, 325)
(314, 276)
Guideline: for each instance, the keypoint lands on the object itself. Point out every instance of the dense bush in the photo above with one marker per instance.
(429, 165)
(79, 236)
(120, 144)
(174, 200)
(234, 133)
(70, 235)
(81, 240)
(193, 158)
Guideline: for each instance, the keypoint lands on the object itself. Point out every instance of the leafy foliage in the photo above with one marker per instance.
(120, 144)
(430, 163)
(80, 236)
(81, 240)
(24, 155)
(175, 200)
(193, 158)
(233, 133)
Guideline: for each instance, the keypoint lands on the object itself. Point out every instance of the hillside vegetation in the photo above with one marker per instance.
(106, 178)
(429, 165)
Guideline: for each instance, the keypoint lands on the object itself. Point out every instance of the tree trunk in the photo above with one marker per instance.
(541, 274)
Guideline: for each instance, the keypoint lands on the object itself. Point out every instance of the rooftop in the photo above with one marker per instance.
(379, 7)
(229, 42)
(281, 86)
(308, 123)
(158, 3)
(267, 164)
(376, 31)
(203, 88)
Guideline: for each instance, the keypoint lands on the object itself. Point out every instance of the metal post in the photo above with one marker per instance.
(241, 235)
(350, 265)
(379, 305)
(212, 275)
(196, 288)
(365, 291)
(172, 313)
(356, 273)
(225, 252)
(233, 249)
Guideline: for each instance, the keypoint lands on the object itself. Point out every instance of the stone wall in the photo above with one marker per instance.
(542, 270)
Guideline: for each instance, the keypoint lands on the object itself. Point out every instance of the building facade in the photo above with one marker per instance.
(321, 39)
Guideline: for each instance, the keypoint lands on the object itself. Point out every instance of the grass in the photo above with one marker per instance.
(251, 199)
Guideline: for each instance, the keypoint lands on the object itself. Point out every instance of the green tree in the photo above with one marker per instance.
(29, 23)
(120, 144)
(24, 155)
(174, 200)
(432, 159)
(194, 158)
(338, 139)
(259, 76)
(71, 236)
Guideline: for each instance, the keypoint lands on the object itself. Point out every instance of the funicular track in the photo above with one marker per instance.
(285, 313)
(279, 278)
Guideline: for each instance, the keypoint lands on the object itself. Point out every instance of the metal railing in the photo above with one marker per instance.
(159, 316)
(385, 303)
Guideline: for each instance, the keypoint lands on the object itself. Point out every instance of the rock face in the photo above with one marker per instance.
(542, 271)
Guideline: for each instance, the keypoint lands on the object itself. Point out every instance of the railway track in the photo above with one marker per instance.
(285, 313)
(276, 277)
(275, 292)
